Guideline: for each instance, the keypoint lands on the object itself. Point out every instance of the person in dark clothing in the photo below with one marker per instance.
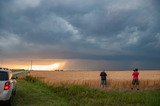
(103, 76)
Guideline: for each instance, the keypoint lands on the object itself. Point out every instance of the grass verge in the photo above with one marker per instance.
(32, 92)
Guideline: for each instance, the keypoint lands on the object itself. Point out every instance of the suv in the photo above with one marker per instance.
(7, 85)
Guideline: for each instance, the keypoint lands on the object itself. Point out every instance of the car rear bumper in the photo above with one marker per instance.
(5, 95)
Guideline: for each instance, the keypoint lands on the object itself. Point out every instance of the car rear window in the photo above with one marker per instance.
(3, 76)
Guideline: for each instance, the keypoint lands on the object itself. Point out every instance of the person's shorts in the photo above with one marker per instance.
(135, 82)
(104, 82)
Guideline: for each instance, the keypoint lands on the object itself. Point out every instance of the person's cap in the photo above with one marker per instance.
(136, 69)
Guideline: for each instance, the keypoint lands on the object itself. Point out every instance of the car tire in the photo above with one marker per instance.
(8, 102)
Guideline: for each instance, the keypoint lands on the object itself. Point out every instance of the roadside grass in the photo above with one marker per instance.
(35, 94)
(32, 92)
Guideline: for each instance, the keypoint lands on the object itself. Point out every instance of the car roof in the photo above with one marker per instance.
(5, 69)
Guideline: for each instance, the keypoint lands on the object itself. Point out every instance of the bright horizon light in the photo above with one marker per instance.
(54, 66)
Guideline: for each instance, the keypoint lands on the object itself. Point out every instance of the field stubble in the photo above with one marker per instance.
(116, 79)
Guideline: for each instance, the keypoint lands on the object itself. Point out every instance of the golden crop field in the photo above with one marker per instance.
(116, 79)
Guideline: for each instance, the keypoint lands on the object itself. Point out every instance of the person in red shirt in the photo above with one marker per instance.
(135, 81)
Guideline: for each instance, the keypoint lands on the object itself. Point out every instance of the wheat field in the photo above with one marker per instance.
(115, 80)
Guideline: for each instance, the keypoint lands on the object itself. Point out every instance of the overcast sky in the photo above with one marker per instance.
(120, 34)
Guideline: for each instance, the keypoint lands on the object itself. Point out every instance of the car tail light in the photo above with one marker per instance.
(7, 85)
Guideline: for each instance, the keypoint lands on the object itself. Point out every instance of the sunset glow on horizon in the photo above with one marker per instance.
(55, 66)
(35, 65)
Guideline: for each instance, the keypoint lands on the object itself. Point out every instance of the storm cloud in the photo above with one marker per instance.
(115, 31)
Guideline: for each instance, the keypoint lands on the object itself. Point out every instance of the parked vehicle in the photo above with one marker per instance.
(7, 86)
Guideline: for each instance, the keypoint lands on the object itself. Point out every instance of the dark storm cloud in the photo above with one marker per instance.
(86, 29)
